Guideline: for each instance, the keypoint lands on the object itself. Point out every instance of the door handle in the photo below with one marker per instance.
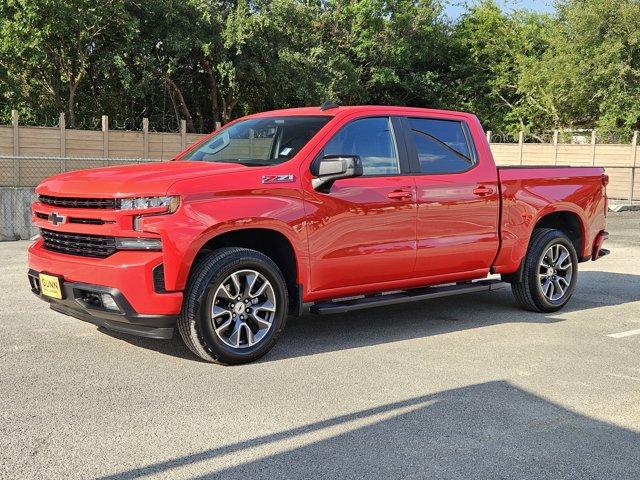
(400, 194)
(483, 190)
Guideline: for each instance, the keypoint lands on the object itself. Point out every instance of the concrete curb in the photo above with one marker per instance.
(625, 207)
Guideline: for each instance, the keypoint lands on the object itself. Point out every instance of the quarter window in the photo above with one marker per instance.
(441, 145)
(372, 140)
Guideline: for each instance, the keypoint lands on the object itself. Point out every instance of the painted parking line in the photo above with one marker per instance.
(628, 333)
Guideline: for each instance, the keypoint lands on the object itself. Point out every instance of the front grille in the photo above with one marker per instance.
(73, 202)
(98, 246)
(87, 221)
(84, 221)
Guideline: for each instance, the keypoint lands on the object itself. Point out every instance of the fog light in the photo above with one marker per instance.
(109, 303)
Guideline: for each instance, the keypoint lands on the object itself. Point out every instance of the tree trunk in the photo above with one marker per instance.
(227, 108)
(175, 108)
(200, 120)
(55, 88)
(53, 82)
(71, 109)
(183, 105)
(213, 91)
(71, 105)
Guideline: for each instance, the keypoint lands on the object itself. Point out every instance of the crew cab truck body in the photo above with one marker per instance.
(309, 206)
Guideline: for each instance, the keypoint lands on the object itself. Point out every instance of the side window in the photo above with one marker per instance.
(441, 145)
(372, 140)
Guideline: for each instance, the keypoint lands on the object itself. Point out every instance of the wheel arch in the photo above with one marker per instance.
(567, 221)
(269, 241)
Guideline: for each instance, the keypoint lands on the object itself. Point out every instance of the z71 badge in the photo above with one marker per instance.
(278, 178)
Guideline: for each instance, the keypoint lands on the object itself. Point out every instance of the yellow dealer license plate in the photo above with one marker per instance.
(50, 286)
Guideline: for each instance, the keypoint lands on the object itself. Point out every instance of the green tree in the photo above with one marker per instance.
(493, 50)
(381, 51)
(219, 60)
(167, 64)
(270, 57)
(590, 75)
(47, 47)
(208, 61)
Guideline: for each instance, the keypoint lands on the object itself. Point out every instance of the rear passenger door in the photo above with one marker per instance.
(457, 199)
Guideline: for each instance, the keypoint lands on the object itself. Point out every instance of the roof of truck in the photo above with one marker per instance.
(333, 111)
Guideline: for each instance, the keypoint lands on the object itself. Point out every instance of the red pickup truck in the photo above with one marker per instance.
(341, 208)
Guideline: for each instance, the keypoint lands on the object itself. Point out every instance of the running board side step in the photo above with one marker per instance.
(413, 295)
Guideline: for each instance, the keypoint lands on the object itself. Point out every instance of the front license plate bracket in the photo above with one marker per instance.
(51, 286)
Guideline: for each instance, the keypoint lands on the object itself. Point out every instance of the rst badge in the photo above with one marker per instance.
(289, 178)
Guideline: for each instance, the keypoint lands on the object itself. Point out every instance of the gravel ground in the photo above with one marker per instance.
(468, 387)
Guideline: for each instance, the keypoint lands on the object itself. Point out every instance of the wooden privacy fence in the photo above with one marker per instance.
(620, 161)
(23, 141)
(29, 154)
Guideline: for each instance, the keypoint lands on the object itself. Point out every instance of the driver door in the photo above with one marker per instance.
(362, 231)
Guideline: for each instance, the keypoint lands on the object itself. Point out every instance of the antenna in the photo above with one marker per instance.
(327, 105)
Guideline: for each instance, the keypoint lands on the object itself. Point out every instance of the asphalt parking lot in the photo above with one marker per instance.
(465, 387)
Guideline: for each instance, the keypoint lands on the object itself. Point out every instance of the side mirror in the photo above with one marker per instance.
(330, 168)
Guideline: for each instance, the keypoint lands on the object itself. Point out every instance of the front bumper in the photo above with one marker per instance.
(127, 276)
(75, 303)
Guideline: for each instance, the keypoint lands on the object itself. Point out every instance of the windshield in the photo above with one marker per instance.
(259, 141)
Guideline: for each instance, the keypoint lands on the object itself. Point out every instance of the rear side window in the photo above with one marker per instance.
(372, 140)
(442, 145)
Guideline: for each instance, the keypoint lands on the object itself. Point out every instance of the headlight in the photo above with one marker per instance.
(138, 243)
(159, 204)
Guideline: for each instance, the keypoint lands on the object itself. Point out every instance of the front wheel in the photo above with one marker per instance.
(235, 306)
(550, 272)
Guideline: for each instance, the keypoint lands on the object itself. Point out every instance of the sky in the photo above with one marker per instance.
(456, 7)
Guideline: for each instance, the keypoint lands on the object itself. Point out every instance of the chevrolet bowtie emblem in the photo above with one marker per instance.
(56, 219)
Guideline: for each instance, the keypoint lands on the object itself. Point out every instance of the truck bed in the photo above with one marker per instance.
(528, 193)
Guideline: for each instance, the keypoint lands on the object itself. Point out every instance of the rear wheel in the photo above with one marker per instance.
(235, 306)
(550, 272)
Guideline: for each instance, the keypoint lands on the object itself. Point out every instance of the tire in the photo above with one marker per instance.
(545, 286)
(218, 279)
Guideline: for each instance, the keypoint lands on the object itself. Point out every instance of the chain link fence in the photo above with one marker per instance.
(28, 171)
(165, 123)
(19, 177)
(565, 137)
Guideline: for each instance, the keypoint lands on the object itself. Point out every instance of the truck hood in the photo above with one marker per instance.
(130, 180)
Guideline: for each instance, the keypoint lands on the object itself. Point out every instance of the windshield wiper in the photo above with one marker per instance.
(256, 164)
(247, 162)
